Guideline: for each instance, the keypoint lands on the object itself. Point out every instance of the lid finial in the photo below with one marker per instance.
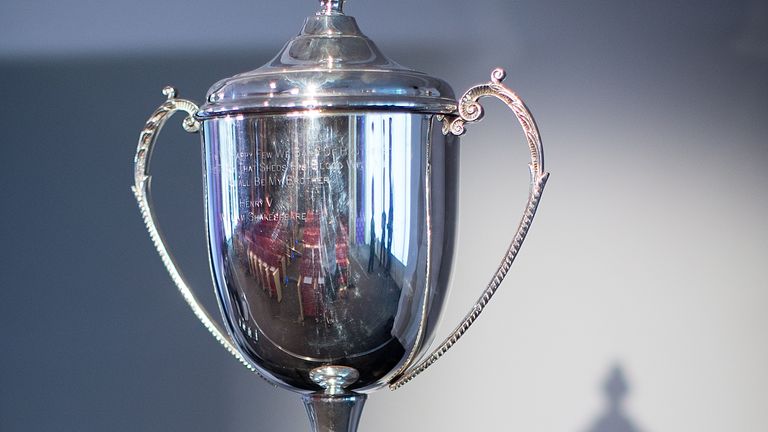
(331, 7)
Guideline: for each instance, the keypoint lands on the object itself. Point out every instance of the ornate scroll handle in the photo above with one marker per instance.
(471, 111)
(141, 191)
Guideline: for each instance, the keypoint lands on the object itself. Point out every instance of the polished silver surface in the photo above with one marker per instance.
(331, 204)
(334, 379)
(331, 7)
(334, 413)
(471, 111)
(329, 65)
(325, 247)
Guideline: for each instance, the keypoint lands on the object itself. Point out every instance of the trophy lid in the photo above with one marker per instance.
(329, 65)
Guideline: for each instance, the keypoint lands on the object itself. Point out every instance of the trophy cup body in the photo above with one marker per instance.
(325, 247)
(331, 201)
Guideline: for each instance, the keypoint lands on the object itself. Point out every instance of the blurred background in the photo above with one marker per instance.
(639, 302)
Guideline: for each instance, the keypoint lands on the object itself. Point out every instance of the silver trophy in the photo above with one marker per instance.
(331, 204)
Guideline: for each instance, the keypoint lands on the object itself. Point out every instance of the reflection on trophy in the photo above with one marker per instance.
(331, 195)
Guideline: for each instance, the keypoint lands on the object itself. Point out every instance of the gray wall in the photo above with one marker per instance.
(638, 303)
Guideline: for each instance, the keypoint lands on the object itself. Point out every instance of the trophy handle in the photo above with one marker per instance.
(141, 191)
(470, 111)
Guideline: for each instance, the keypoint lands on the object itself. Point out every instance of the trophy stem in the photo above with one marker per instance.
(334, 413)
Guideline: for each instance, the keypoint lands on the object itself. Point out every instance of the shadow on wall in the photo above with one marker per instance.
(613, 418)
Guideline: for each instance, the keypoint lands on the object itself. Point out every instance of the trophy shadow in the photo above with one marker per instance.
(614, 418)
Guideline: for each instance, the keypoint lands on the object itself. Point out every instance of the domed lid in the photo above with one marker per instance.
(329, 65)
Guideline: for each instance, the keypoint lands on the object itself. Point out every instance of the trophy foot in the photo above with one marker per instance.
(335, 409)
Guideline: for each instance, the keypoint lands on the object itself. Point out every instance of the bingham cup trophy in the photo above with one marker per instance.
(330, 179)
